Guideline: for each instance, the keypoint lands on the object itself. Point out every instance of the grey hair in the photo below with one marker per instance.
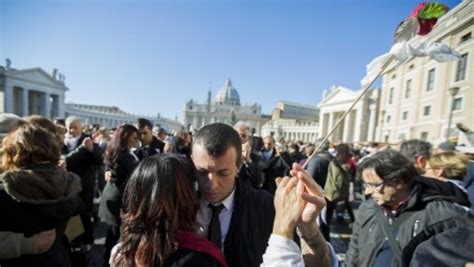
(73, 119)
(242, 124)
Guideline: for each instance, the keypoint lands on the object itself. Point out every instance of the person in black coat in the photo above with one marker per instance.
(149, 144)
(121, 162)
(233, 215)
(250, 170)
(36, 195)
(84, 158)
(276, 163)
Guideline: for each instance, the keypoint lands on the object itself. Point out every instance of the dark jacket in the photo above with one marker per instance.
(431, 201)
(111, 200)
(439, 244)
(85, 164)
(38, 199)
(251, 172)
(250, 226)
(277, 166)
(155, 147)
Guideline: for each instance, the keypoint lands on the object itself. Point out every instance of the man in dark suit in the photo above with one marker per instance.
(149, 144)
(232, 214)
(83, 158)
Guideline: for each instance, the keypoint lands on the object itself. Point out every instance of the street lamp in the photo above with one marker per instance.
(453, 91)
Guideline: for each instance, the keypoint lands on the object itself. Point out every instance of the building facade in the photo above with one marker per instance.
(32, 92)
(293, 122)
(226, 108)
(112, 117)
(359, 125)
(416, 101)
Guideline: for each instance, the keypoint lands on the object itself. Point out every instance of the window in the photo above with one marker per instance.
(424, 136)
(465, 37)
(457, 104)
(461, 68)
(394, 76)
(390, 95)
(431, 77)
(426, 110)
(408, 89)
(388, 118)
(405, 115)
(411, 67)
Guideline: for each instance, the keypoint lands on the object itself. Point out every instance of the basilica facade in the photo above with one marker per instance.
(225, 108)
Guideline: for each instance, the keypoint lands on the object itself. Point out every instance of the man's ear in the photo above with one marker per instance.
(421, 162)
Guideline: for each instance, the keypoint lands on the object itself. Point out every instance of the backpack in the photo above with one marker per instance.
(337, 183)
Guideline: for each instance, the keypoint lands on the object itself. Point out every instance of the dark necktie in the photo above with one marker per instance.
(214, 234)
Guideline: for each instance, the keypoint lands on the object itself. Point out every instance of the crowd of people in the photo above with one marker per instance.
(224, 197)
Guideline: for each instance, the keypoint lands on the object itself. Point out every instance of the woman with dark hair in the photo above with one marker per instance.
(121, 162)
(36, 196)
(159, 217)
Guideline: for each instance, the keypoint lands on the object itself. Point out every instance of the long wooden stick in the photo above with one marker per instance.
(384, 66)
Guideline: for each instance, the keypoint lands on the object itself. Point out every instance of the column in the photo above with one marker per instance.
(346, 130)
(330, 125)
(24, 102)
(321, 122)
(47, 105)
(372, 122)
(54, 106)
(8, 98)
(358, 121)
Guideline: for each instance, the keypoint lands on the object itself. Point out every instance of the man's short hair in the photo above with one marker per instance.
(217, 138)
(390, 165)
(73, 119)
(142, 122)
(241, 124)
(414, 148)
(324, 147)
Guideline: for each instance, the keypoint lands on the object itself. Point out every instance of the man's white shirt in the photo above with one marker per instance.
(204, 216)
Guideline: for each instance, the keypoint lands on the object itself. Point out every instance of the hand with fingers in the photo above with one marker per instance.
(314, 247)
(88, 144)
(288, 207)
(313, 201)
(298, 202)
(44, 240)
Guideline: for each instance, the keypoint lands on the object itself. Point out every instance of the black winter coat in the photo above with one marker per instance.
(277, 166)
(38, 199)
(250, 226)
(155, 147)
(111, 200)
(86, 164)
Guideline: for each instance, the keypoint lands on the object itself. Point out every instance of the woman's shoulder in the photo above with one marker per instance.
(186, 258)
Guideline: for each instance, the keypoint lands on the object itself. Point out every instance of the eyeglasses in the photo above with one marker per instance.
(376, 187)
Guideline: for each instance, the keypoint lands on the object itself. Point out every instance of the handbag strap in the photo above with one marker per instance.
(388, 231)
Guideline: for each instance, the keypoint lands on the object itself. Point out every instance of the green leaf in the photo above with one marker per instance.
(432, 11)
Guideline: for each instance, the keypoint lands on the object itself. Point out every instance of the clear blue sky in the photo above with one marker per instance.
(151, 56)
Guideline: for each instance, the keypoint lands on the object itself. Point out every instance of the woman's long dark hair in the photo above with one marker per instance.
(119, 142)
(343, 153)
(159, 201)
